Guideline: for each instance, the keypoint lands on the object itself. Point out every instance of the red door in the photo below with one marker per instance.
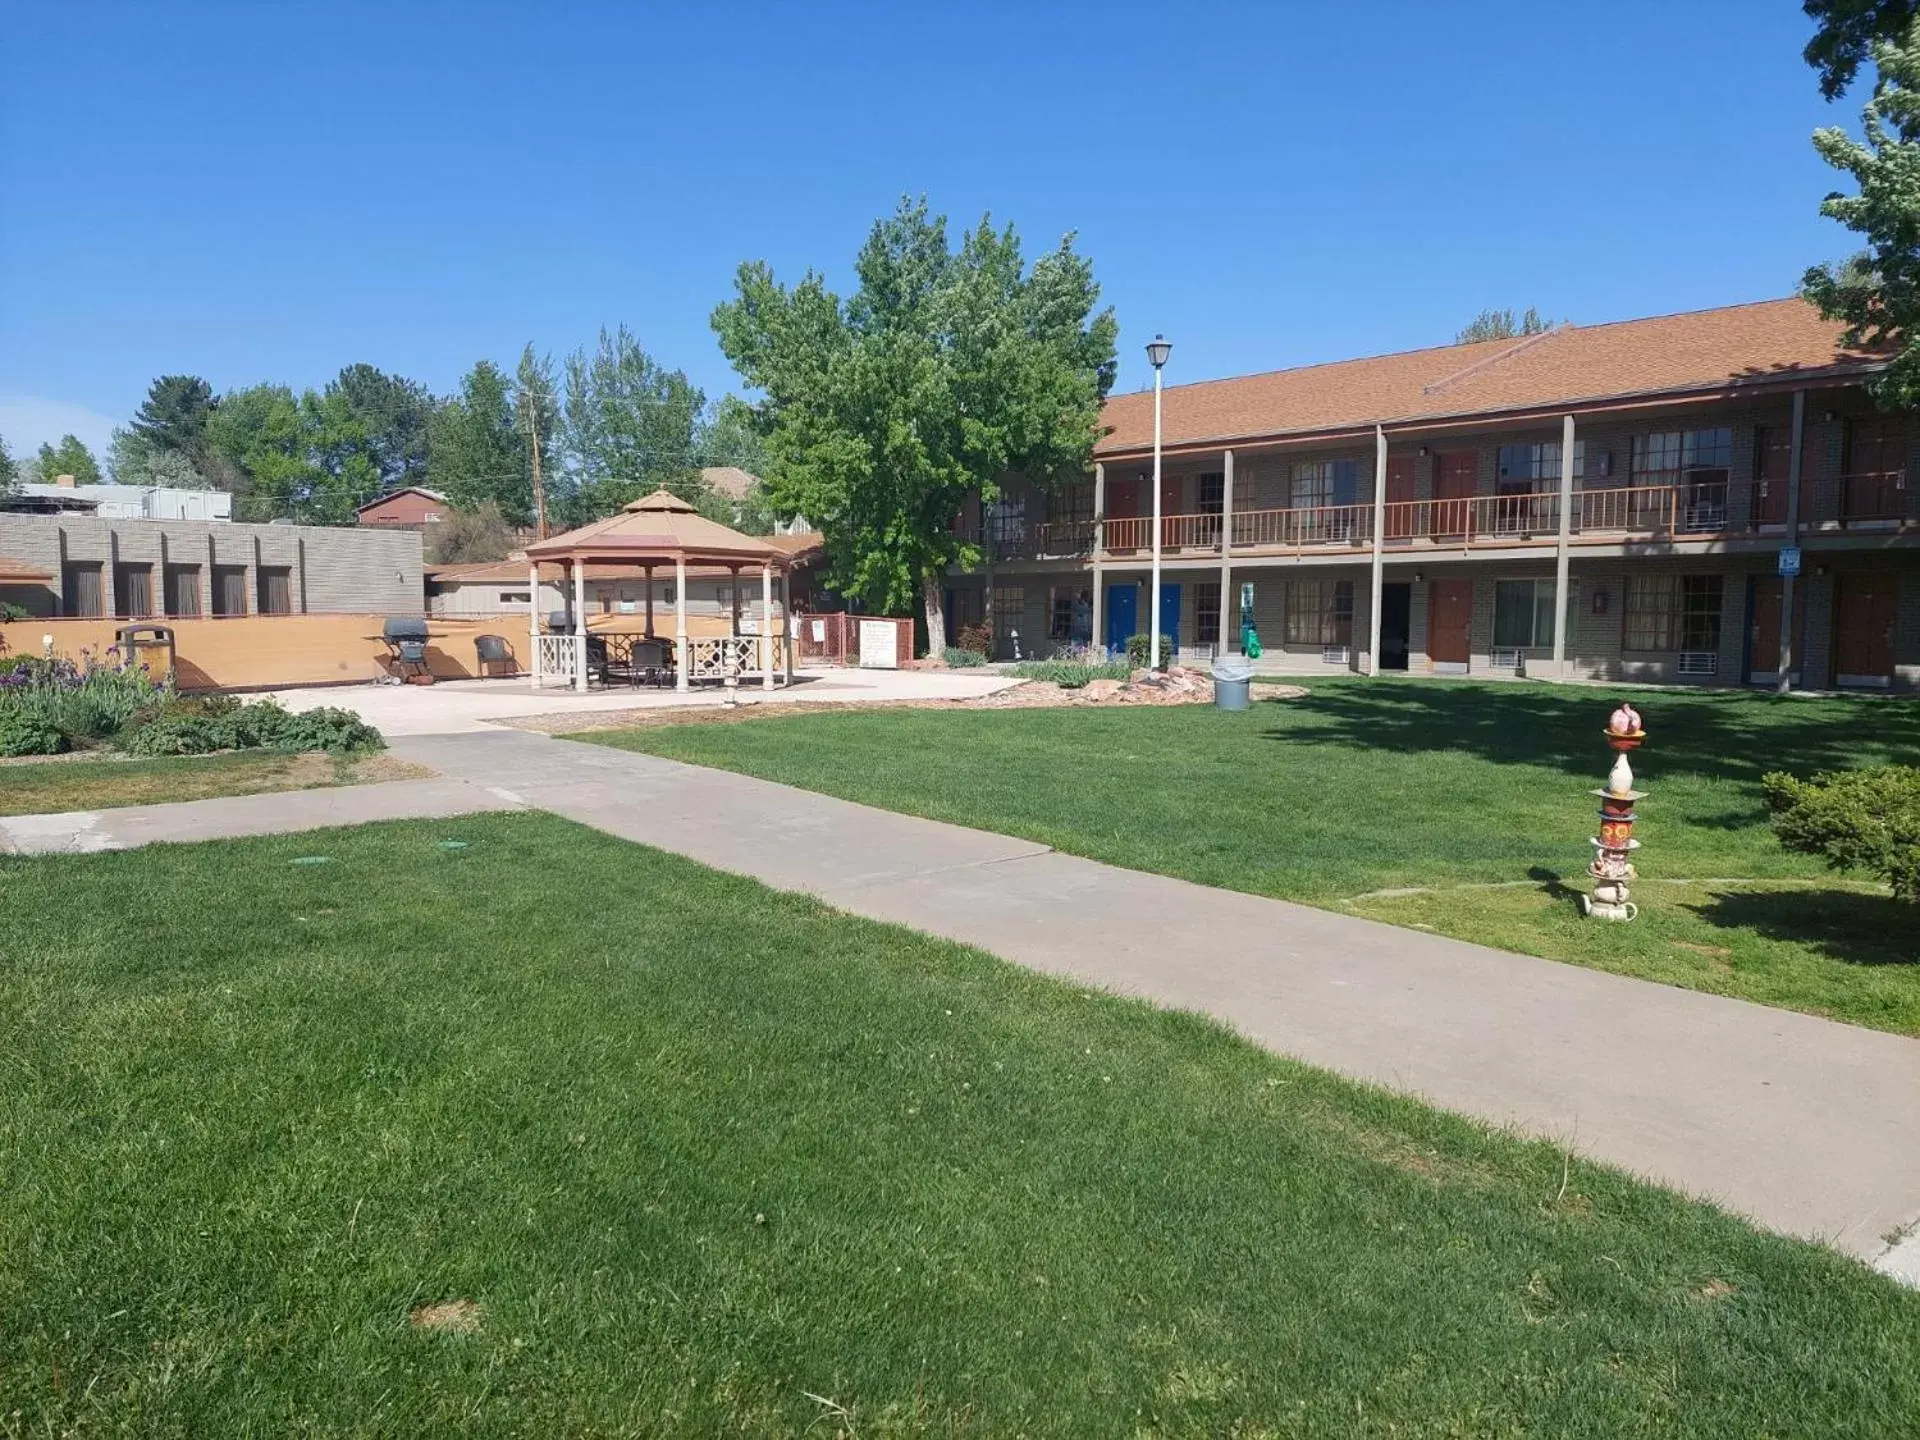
(1170, 534)
(1455, 478)
(1398, 522)
(1770, 490)
(1763, 628)
(1863, 616)
(1874, 485)
(1449, 615)
(1123, 530)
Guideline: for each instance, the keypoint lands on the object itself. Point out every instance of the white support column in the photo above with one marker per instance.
(1229, 633)
(786, 624)
(1099, 637)
(766, 626)
(533, 622)
(580, 626)
(1783, 680)
(1560, 555)
(1379, 572)
(682, 655)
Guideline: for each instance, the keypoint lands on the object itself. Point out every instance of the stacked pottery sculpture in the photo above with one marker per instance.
(1613, 847)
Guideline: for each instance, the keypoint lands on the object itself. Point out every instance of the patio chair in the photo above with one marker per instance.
(493, 651)
(650, 664)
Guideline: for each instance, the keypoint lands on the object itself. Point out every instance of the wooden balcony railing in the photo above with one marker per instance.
(1685, 510)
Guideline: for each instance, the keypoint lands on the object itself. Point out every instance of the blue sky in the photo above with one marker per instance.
(255, 191)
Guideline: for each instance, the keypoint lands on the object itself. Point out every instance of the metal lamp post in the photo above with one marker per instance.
(1158, 349)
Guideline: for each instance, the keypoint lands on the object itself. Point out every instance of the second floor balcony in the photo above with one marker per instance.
(1686, 511)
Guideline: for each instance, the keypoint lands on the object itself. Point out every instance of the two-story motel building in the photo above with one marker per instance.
(1439, 511)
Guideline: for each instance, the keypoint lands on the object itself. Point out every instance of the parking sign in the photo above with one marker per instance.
(1789, 559)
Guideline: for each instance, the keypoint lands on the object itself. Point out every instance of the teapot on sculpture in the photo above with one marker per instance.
(1613, 847)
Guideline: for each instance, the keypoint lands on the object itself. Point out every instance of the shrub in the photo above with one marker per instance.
(1070, 674)
(977, 638)
(1856, 820)
(961, 659)
(28, 735)
(1139, 645)
(84, 702)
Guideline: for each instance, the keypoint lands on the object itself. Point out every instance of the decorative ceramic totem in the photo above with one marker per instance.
(1613, 847)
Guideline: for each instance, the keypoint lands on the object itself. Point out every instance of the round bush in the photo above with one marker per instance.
(27, 735)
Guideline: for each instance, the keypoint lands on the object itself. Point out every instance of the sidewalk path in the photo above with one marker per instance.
(279, 813)
(1808, 1126)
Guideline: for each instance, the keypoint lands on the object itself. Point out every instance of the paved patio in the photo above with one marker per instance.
(461, 707)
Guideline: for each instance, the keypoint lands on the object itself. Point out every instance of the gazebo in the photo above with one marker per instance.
(653, 532)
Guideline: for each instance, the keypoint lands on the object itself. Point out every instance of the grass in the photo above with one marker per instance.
(43, 787)
(718, 1160)
(1364, 786)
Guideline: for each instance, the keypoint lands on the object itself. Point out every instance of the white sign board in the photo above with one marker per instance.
(819, 632)
(877, 648)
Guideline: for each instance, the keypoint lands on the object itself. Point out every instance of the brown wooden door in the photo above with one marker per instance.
(1456, 476)
(1763, 628)
(1449, 618)
(1770, 488)
(1398, 522)
(1863, 616)
(1874, 484)
(1123, 498)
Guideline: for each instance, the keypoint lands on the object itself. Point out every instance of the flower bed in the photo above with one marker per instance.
(52, 705)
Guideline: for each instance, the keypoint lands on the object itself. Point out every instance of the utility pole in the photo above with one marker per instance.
(539, 493)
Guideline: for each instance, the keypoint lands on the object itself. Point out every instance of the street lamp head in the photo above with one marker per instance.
(1158, 349)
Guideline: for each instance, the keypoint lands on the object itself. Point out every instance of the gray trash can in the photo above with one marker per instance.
(1232, 683)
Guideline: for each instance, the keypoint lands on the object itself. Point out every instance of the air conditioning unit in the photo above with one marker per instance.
(1336, 655)
(1508, 659)
(1699, 662)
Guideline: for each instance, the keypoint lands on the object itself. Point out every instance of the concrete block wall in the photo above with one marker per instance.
(345, 571)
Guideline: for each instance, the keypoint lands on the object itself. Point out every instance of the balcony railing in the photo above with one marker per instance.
(1686, 510)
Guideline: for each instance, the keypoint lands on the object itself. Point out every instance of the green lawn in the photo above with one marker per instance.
(42, 787)
(700, 1153)
(1364, 786)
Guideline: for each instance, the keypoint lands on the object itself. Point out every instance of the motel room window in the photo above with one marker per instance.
(1211, 496)
(1007, 523)
(1526, 469)
(1009, 605)
(229, 590)
(1070, 614)
(82, 589)
(1522, 614)
(516, 597)
(133, 590)
(1672, 612)
(1206, 613)
(183, 591)
(276, 590)
(1691, 457)
(1316, 483)
(1318, 612)
(1071, 504)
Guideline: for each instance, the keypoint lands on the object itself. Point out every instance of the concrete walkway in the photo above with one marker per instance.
(1808, 1126)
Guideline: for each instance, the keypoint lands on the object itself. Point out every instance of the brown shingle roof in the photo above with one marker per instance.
(1773, 341)
(660, 526)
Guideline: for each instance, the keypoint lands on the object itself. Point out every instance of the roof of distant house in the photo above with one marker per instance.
(729, 480)
(1697, 354)
(403, 490)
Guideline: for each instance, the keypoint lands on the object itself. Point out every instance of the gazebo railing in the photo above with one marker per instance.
(555, 657)
(714, 659)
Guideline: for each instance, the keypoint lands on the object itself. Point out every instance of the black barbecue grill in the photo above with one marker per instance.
(406, 639)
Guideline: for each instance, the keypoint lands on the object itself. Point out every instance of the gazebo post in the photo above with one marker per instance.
(786, 623)
(649, 570)
(682, 654)
(580, 625)
(533, 622)
(766, 626)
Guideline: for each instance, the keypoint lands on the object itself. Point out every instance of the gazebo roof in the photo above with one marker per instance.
(660, 527)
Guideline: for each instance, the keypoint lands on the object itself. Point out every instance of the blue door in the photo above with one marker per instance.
(1170, 616)
(1122, 606)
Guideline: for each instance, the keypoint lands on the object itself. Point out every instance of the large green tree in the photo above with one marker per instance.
(174, 416)
(1877, 292)
(1501, 325)
(629, 426)
(536, 421)
(473, 451)
(382, 419)
(9, 468)
(1845, 34)
(261, 440)
(946, 371)
(134, 459)
(69, 457)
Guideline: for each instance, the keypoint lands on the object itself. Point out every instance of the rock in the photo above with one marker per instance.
(1101, 689)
